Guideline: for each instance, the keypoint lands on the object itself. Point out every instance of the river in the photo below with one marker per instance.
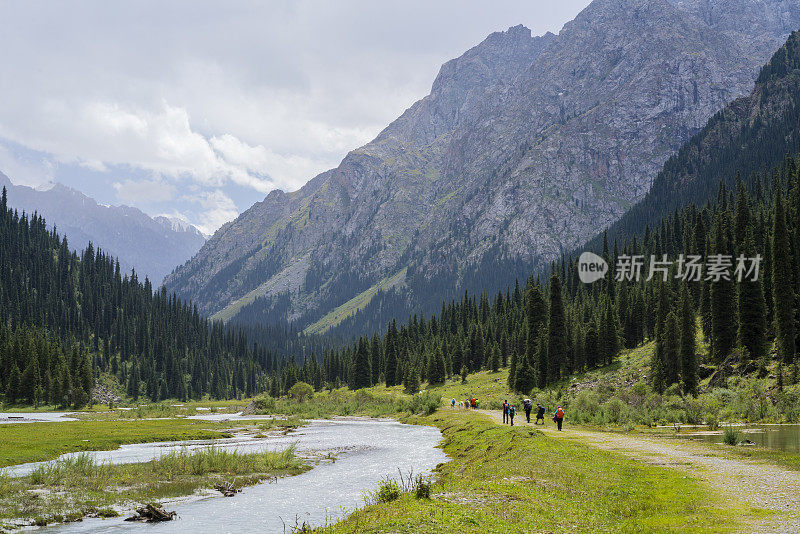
(366, 452)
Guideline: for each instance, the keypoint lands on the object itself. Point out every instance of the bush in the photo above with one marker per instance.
(389, 490)
(615, 411)
(425, 403)
(422, 487)
(731, 436)
(264, 403)
(301, 391)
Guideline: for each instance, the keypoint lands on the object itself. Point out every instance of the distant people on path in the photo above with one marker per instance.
(558, 417)
(473, 403)
(453, 403)
(539, 413)
(511, 412)
(528, 407)
(505, 411)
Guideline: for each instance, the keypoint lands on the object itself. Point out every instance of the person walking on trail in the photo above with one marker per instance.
(528, 407)
(558, 417)
(511, 412)
(474, 403)
(505, 411)
(539, 413)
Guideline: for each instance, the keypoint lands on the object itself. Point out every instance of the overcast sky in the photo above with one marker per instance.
(198, 109)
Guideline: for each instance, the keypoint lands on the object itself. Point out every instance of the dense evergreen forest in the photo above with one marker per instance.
(65, 319)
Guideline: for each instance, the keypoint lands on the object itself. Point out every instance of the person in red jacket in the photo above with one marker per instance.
(558, 417)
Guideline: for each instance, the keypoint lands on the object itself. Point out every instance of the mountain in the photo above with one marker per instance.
(751, 134)
(524, 148)
(153, 246)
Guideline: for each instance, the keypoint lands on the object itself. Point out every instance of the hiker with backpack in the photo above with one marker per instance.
(511, 412)
(558, 417)
(539, 413)
(528, 406)
(505, 411)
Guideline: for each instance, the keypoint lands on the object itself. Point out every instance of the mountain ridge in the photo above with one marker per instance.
(524, 147)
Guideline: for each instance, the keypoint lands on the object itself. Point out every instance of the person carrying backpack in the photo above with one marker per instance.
(539, 413)
(511, 412)
(528, 407)
(558, 417)
(505, 411)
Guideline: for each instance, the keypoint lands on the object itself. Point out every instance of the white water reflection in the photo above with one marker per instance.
(35, 417)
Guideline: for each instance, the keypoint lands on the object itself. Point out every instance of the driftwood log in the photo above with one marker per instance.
(227, 489)
(152, 514)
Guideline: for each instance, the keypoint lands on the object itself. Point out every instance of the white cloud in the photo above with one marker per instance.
(135, 191)
(217, 209)
(236, 98)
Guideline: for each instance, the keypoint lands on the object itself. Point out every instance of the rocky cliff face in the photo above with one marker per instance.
(526, 146)
(152, 246)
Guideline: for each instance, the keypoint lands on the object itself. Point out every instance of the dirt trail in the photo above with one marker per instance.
(756, 484)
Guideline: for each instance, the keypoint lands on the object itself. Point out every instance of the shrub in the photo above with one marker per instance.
(422, 487)
(301, 391)
(389, 490)
(264, 403)
(425, 403)
(731, 436)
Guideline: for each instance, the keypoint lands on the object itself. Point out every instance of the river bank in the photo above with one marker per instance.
(91, 483)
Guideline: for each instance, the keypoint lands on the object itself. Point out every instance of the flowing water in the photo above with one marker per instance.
(779, 437)
(367, 451)
(35, 417)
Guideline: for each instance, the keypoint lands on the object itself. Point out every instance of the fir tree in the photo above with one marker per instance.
(557, 332)
(783, 292)
(688, 355)
(723, 298)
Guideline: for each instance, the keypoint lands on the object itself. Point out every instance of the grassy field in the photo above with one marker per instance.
(68, 490)
(504, 479)
(36, 442)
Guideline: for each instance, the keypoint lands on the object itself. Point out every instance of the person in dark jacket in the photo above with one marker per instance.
(505, 411)
(511, 412)
(539, 413)
(528, 407)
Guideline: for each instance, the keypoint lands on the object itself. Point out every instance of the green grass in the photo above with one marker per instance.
(69, 489)
(37, 442)
(504, 479)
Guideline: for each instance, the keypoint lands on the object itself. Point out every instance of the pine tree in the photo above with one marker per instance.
(688, 354)
(494, 362)
(670, 351)
(557, 332)
(723, 298)
(362, 367)
(437, 374)
(783, 292)
(390, 373)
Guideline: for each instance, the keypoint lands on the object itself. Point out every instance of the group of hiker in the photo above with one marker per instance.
(509, 411)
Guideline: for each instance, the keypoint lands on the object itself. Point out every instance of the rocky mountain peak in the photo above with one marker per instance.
(525, 147)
